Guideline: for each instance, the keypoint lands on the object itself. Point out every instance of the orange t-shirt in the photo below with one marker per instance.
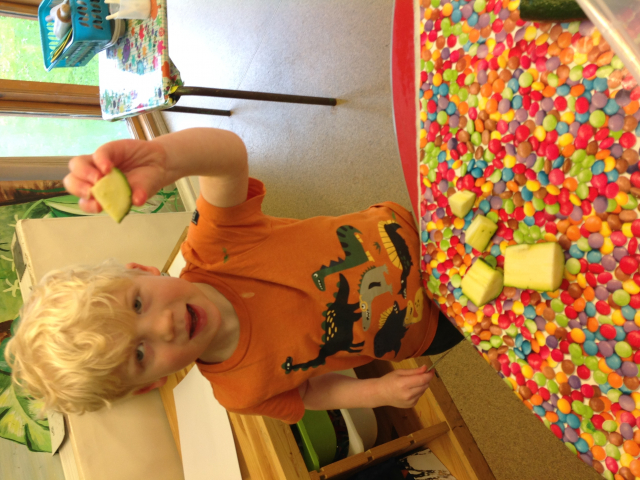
(312, 296)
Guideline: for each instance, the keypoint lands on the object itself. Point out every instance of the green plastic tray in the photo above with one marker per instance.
(318, 439)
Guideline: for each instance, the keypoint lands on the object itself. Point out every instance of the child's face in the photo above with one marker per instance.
(175, 323)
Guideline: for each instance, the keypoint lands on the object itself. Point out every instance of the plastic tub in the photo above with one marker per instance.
(362, 427)
(91, 33)
(361, 424)
(619, 23)
(318, 439)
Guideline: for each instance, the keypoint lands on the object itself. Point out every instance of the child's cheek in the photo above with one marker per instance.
(177, 359)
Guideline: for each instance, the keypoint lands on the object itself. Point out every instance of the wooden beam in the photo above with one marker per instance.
(26, 10)
(153, 125)
(347, 467)
(32, 3)
(55, 110)
(135, 128)
(268, 448)
(21, 91)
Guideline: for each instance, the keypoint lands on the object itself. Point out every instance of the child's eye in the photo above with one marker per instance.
(140, 353)
(137, 305)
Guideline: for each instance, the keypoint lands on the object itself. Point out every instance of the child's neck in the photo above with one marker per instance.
(228, 335)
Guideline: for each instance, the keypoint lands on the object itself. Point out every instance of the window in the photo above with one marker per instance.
(21, 60)
(21, 56)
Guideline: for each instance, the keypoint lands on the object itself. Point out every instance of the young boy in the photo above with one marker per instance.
(267, 307)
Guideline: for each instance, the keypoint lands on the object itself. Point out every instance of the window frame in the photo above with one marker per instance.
(42, 99)
(27, 9)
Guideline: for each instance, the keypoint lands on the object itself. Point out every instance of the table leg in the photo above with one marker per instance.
(269, 97)
(203, 111)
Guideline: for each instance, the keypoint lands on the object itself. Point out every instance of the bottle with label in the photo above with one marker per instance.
(61, 19)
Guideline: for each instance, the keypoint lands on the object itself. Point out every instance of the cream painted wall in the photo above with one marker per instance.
(33, 168)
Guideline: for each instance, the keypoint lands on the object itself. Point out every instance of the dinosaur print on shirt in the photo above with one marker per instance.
(338, 330)
(372, 284)
(394, 323)
(397, 250)
(354, 255)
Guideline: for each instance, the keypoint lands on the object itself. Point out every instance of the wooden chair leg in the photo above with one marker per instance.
(246, 95)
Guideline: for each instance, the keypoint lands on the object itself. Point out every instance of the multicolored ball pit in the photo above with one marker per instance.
(541, 122)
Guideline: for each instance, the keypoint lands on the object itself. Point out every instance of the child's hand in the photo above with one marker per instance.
(403, 388)
(144, 163)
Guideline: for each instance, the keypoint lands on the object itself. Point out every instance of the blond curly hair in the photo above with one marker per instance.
(73, 335)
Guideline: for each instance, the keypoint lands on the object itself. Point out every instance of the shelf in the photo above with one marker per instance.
(457, 449)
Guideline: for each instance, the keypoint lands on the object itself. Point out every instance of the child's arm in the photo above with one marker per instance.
(219, 157)
(400, 388)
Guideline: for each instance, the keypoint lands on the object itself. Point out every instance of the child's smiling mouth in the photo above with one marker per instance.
(195, 319)
(192, 319)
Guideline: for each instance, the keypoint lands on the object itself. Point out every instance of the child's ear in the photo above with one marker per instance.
(144, 268)
(148, 388)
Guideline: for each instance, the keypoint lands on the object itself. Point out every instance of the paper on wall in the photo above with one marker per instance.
(206, 439)
(57, 430)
